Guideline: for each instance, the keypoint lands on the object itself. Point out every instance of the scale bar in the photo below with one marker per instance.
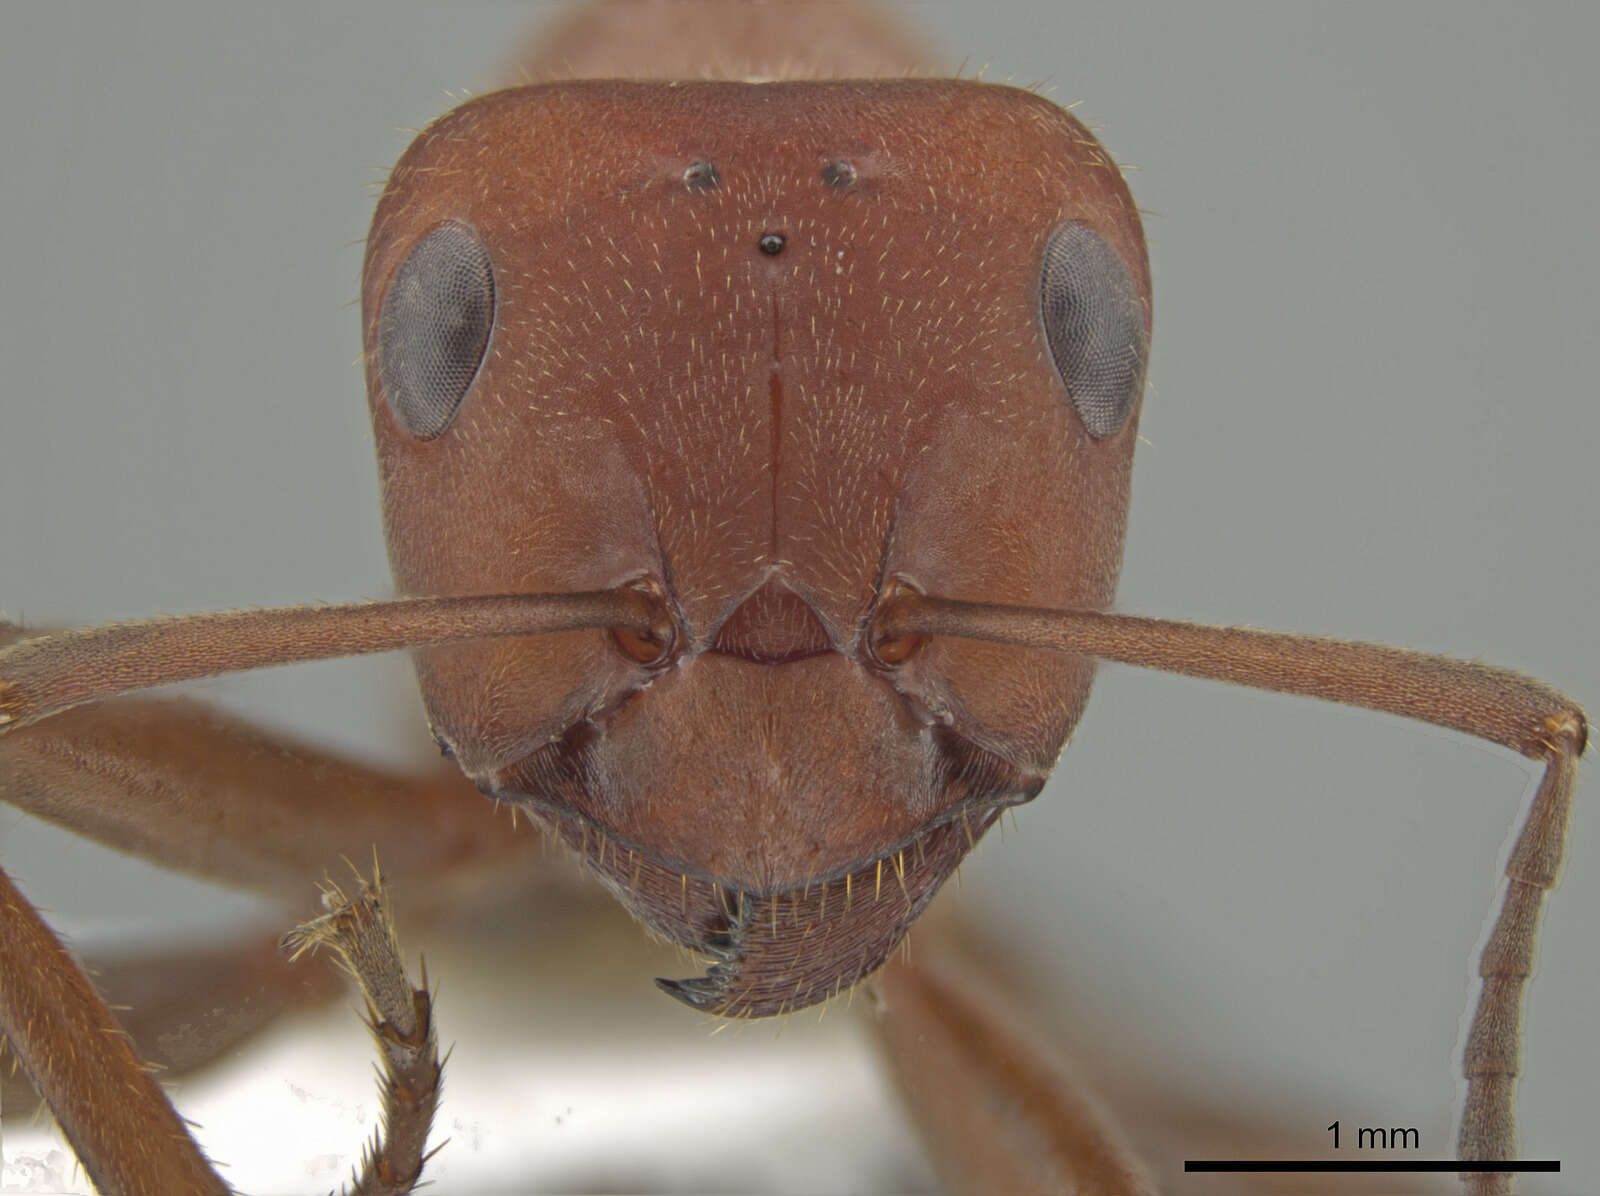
(1367, 1165)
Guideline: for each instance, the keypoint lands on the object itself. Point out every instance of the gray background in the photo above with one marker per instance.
(1373, 415)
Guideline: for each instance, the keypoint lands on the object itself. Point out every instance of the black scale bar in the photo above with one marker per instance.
(1367, 1165)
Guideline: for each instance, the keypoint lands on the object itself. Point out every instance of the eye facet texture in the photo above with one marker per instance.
(1095, 325)
(434, 328)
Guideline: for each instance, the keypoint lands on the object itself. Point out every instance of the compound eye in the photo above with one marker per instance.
(1094, 322)
(434, 328)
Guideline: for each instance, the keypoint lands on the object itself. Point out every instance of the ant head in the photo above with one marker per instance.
(769, 355)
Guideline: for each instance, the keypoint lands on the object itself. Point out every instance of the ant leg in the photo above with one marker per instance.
(198, 791)
(1002, 1107)
(359, 930)
(120, 1124)
(998, 1110)
(187, 1007)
